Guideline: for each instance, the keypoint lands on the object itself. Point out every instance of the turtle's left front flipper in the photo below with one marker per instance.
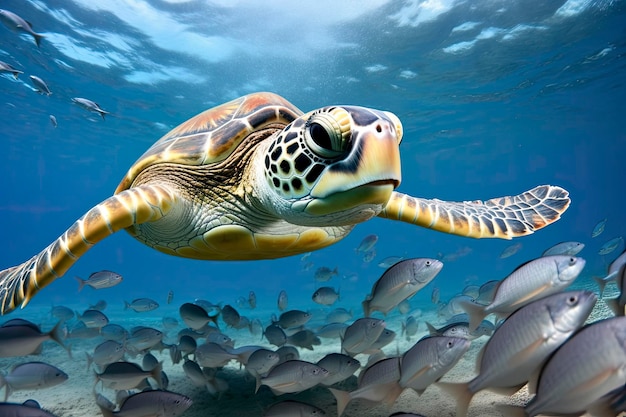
(136, 205)
(503, 217)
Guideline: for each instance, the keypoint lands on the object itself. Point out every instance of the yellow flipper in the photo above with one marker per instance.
(133, 206)
(503, 217)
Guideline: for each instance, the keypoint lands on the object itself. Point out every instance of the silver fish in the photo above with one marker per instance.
(99, 280)
(143, 338)
(435, 295)
(487, 291)
(569, 248)
(369, 256)
(390, 261)
(252, 299)
(105, 353)
(409, 327)
(293, 318)
(31, 376)
(366, 244)
(17, 24)
(230, 316)
(114, 332)
(361, 334)
(100, 305)
(430, 359)
(523, 342)
(290, 408)
(611, 245)
(30, 408)
(282, 300)
(339, 315)
(339, 367)
(127, 375)
(292, 376)
(93, 318)
(460, 328)
(598, 228)
(151, 403)
(378, 383)
(4, 67)
(332, 330)
(323, 273)
(195, 374)
(510, 250)
(90, 106)
(261, 361)
(62, 313)
(400, 282)
(587, 367)
(141, 305)
(40, 85)
(530, 281)
(325, 296)
(21, 340)
(275, 335)
(194, 316)
(304, 339)
(212, 355)
(287, 353)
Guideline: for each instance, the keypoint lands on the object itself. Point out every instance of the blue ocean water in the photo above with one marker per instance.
(495, 98)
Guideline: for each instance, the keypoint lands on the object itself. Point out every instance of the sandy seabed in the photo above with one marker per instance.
(75, 397)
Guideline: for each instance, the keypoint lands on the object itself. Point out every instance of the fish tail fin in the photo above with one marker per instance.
(431, 329)
(366, 308)
(81, 283)
(461, 393)
(15, 74)
(343, 399)
(613, 304)
(258, 383)
(475, 312)
(102, 115)
(157, 374)
(511, 410)
(601, 281)
(57, 334)
(89, 359)
(126, 305)
(38, 39)
(7, 392)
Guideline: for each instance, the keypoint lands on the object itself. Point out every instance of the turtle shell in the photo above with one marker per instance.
(212, 135)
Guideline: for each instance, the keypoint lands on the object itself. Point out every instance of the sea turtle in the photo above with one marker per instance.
(255, 178)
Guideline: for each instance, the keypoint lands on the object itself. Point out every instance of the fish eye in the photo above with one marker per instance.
(427, 263)
(572, 300)
(450, 344)
(572, 261)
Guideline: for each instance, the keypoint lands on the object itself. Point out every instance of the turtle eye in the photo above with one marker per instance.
(328, 134)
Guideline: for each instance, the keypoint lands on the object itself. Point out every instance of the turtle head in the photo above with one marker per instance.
(336, 165)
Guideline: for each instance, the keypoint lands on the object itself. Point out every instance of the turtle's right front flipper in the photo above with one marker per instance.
(136, 205)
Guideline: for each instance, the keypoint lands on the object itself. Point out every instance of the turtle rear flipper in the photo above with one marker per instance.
(137, 205)
(503, 217)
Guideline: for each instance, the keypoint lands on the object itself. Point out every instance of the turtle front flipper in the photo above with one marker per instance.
(503, 217)
(136, 205)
